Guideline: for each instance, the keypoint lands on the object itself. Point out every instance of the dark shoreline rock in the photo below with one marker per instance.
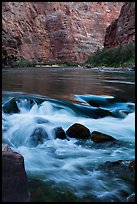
(14, 177)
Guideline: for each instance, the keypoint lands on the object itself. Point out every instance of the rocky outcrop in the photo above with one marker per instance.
(54, 31)
(122, 30)
(14, 177)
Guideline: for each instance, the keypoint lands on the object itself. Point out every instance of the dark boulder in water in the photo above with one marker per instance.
(98, 101)
(11, 106)
(99, 137)
(59, 133)
(38, 136)
(14, 177)
(78, 131)
(133, 68)
(121, 167)
(131, 198)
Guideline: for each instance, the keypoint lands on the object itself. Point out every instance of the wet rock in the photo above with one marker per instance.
(101, 137)
(11, 106)
(133, 68)
(25, 103)
(111, 144)
(100, 113)
(78, 131)
(14, 177)
(99, 101)
(120, 113)
(5, 147)
(30, 99)
(93, 103)
(88, 66)
(38, 136)
(59, 133)
(132, 165)
(122, 167)
(131, 198)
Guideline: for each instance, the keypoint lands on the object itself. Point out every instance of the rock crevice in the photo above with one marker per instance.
(122, 30)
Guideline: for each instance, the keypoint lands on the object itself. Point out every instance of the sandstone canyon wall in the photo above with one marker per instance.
(122, 29)
(54, 31)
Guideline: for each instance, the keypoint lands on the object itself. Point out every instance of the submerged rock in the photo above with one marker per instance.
(59, 133)
(78, 131)
(14, 177)
(32, 100)
(38, 136)
(101, 137)
(131, 198)
(11, 106)
(122, 167)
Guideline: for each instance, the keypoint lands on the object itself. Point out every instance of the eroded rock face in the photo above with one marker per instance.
(14, 178)
(54, 31)
(122, 30)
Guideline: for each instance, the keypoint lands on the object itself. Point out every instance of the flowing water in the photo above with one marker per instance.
(68, 170)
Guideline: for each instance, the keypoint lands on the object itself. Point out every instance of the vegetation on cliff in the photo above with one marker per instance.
(123, 55)
(25, 63)
(33, 63)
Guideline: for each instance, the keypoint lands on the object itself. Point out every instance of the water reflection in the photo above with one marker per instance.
(65, 83)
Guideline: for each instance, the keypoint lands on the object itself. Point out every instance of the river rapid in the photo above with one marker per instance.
(69, 170)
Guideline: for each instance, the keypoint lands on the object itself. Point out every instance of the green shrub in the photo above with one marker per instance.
(25, 63)
(60, 63)
(122, 55)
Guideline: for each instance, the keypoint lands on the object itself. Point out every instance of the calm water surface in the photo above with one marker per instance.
(64, 83)
(68, 170)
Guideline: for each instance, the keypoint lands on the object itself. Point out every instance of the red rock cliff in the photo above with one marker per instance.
(54, 31)
(122, 30)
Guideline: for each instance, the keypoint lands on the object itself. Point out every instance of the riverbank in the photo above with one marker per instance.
(99, 68)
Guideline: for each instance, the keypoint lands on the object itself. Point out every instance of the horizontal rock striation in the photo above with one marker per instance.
(54, 31)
